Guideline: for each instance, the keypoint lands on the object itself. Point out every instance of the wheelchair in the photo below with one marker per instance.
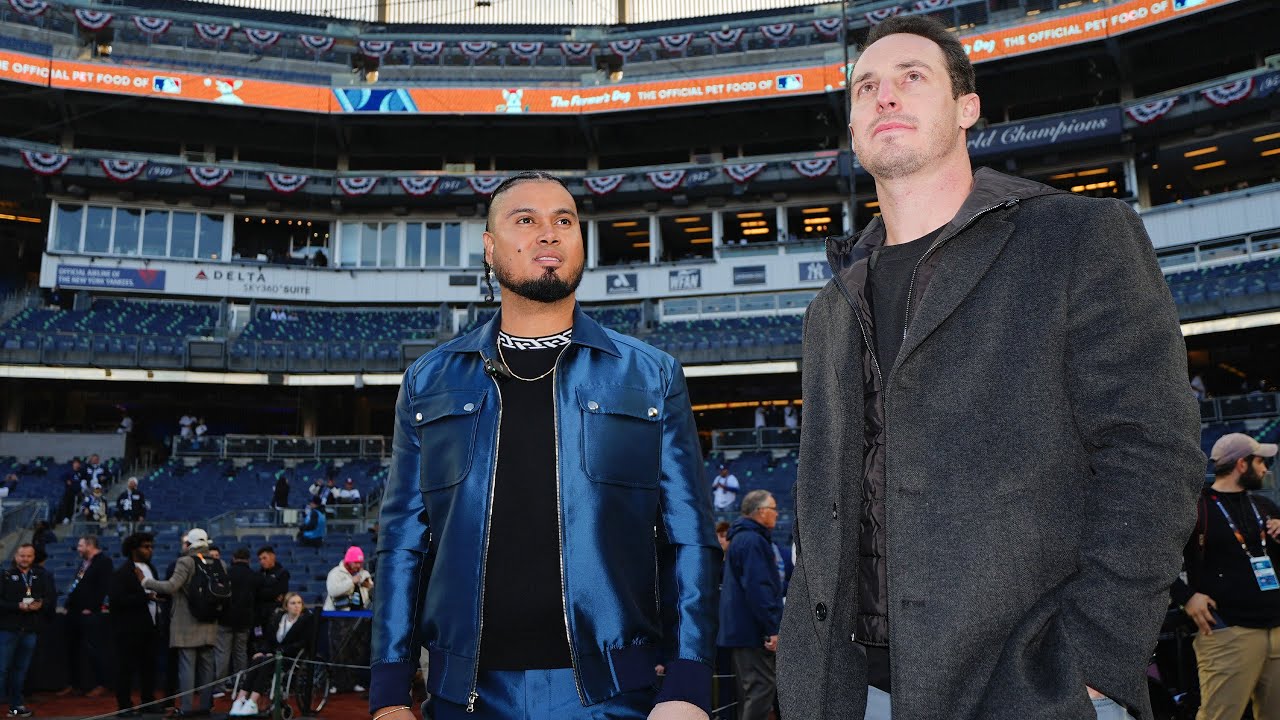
(303, 682)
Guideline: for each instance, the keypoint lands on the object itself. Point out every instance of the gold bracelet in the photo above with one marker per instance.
(392, 711)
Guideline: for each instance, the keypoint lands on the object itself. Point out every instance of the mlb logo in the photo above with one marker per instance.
(167, 85)
(789, 82)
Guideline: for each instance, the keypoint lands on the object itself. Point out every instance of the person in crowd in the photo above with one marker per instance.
(722, 536)
(186, 424)
(201, 429)
(319, 489)
(1198, 387)
(126, 423)
(288, 632)
(70, 501)
(86, 630)
(724, 489)
(99, 475)
(195, 639)
(134, 620)
(790, 416)
(349, 587)
(280, 495)
(24, 589)
(761, 420)
(751, 604)
(10, 483)
(235, 627)
(94, 508)
(41, 536)
(958, 396)
(311, 530)
(349, 493)
(270, 586)
(594, 446)
(1231, 591)
(131, 505)
(332, 493)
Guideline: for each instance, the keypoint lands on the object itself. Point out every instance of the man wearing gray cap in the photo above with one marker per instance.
(1231, 591)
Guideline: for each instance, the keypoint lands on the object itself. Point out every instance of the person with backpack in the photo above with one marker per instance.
(201, 593)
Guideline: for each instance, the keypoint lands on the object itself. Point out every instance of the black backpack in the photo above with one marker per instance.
(208, 590)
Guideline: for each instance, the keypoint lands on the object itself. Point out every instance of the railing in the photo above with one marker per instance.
(282, 447)
(764, 438)
(18, 515)
(1240, 407)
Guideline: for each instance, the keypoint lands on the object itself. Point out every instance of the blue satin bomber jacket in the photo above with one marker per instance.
(639, 557)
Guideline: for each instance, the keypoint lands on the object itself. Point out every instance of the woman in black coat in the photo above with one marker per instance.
(288, 633)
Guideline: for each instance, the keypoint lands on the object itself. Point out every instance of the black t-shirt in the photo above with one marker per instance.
(524, 623)
(1223, 572)
(889, 280)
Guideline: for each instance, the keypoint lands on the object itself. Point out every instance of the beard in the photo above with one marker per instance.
(1251, 480)
(546, 288)
(894, 161)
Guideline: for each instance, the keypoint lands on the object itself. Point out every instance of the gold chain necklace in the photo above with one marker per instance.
(525, 379)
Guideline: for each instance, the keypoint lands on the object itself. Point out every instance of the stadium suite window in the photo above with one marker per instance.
(97, 230)
(68, 221)
(182, 235)
(433, 244)
(155, 233)
(124, 241)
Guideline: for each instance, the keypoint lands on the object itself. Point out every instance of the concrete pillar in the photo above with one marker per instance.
(14, 400)
(308, 413)
(655, 232)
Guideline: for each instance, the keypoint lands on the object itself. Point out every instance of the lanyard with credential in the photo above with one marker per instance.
(1262, 526)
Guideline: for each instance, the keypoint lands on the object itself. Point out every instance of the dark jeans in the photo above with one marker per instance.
(135, 655)
(348, 645)
(85, 641)
(757, 684)
(16, 649)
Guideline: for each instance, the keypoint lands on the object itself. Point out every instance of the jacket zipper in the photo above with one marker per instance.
(484, 558)
(564, 588)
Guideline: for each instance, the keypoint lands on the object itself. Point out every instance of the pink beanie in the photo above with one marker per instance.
(354, 555)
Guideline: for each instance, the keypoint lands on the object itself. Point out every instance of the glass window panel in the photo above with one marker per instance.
(125, 239)
(210, 237)
(70, 218)
(97, 230)
(413, 244)
(369, 245)
(433, 245)
(182, 243)
(452, 244)
(350, 247)
(155, 233)
(387, 255)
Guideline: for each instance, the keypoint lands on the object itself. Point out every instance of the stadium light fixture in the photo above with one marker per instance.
(1269, 153)
(872, 204)
(700, 228)
(638, 233)
(700, 241)
(640, 245)
(1210, 165)
(1201, 151)
(691, 219)
(1095, 171)
(816, 210)
(816, 220)
(625, 223)
(750, 215)
(756, 231)
(1267, 138)
(1062, 176)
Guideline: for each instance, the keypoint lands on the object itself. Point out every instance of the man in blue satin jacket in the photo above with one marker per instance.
(546, 531)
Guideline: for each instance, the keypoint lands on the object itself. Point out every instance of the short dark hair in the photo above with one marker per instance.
(135, 541)
(24, 545)
(1220, 471)
(241, 553)
(520, 177)
(266, 549)
(90, 540)
(959, 69)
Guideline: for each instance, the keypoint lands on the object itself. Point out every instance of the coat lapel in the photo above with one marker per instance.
(963, 262)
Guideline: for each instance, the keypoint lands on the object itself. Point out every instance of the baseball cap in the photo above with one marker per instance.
(1234, 446)
(196, 537)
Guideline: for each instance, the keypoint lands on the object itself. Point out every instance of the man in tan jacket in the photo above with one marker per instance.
(192, 638)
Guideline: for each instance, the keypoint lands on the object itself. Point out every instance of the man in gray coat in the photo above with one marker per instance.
(1000, 457)
(194, 640)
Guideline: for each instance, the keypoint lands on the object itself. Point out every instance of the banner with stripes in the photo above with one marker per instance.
(625, 48)
(475, 49)
(526, 50)
(356, 186)
(778, 33)
(604, 184)
(427, 49)
(676, 43)
(92, 19)
(377, 49)
(29, 8)
(123, 170)
(875, 17)
(743, 172)
(1149, 112)
(209, 177)
(418, 185)
(262, 39)
(666, 179)
(45, 163)
(316, 43)
(152, 25)
(725, 39)
(828, 27)
(1229, 93)
(286, 183)
(815, 167)
(212, 33)
(485, 184)
(577, 50)
(921, 6)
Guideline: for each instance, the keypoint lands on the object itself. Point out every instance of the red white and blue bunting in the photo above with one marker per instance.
(262, 39)
(356, 186)
(1149, 112)
(875, 17)
(317, 44)
(779, 33)
(123, 170)
(666, 179)
(418, 185)
(375, 48)
(213, 33)
(152, 25)
(427, 49)
(577, 50)
(526, 50)
(676, 43)
(286, 183)
(828, 27)
(45, 163)
(485, 184)
(604, 184)
(475, 49)
(1229, 93)
(815, 167)
(743, 172)
(93, 19)
(209, 177)
(725, 39)
(625, 48)
(29, 8)
(922, 6)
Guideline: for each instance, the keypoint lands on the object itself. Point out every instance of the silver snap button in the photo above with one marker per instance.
(653, 412)
(593, 405)
(418, 416)
(468, 407)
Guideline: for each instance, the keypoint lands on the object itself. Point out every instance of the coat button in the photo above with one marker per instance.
(418, 417)
(653, 412)
(468, 407)
(820, 611)
(593, 405)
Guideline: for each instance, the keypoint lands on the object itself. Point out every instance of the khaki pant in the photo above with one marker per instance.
(1238, 665)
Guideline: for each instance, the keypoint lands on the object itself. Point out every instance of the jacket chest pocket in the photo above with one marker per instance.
(446, 424)
(621, 435)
